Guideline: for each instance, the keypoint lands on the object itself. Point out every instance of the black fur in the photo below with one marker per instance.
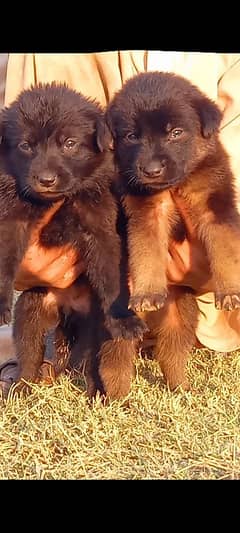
(143, 118)
(53, 147)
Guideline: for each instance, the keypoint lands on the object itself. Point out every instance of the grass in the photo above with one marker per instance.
(56, 433)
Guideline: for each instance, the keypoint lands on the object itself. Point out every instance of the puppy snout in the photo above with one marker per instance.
(154, 168)
(47, 180)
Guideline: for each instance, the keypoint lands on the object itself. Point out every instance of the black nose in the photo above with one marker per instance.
(47, 180)
(154, 168)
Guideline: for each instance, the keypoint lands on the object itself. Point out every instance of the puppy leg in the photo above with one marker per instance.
(174, 327)
(148, 248)
(104, 260)
(116, 367)
(108, 364)
(84, 358)
(36, 312)
(222, 242)
(84, 349)
(62, 345)
(78, 336)
(91, 375)
(218, 226)
(56, 355)
(12, 244)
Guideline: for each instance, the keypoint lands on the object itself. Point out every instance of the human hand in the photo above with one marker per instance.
(56, 267)
(60, 266)
(187, 261)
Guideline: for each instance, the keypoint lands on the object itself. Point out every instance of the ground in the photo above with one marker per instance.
(56, 433)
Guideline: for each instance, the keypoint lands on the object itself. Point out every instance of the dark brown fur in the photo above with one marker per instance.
(166, 137)
(52, 147)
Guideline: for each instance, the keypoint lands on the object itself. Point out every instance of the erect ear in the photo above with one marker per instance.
(103, 135)
(209, 114)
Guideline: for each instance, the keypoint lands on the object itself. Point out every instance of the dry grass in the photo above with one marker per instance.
(56, 433)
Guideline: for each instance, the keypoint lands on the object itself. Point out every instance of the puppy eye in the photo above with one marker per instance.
(175, 133)
(25, 146)
(69, 143)
(131, 137)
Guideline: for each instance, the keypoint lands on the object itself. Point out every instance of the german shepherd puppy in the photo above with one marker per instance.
(166, 138)
(52, 148)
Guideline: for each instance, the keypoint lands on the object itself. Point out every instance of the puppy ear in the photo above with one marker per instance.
(103, 136)
(209, 114)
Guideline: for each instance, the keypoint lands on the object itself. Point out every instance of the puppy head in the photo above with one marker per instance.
(51, 141)
(163, 129)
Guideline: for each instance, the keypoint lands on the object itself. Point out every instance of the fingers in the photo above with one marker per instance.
(68, 276)
(57, 267)
(188, 265)
(179, 261)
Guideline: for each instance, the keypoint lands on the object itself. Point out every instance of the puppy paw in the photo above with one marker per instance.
(179, 386)
(117, 386)
(21, 388)
(129, 328)
(148, 302)
(226, 301)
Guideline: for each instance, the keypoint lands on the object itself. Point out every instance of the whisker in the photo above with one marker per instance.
(133, 179)
(26, 190)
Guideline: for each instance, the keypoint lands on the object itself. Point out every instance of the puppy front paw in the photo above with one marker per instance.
(129, 328)
(147, 302)
(178, 385)
(227, 300)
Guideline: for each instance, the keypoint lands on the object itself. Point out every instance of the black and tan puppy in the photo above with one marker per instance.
(51, 149)
(166, 137)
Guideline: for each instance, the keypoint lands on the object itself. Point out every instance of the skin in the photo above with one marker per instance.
(59, 267)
